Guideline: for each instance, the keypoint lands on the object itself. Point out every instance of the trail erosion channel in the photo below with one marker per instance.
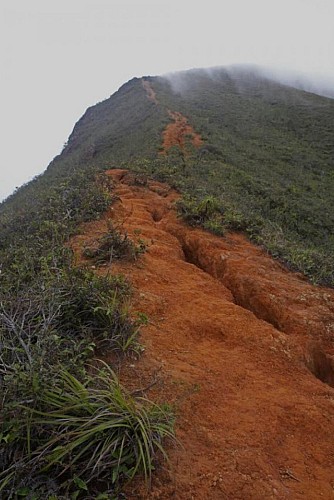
(240, 346)
(179, 133)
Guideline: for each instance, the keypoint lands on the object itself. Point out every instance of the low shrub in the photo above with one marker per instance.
(57, 323)
(53, 317)
(114, 245)
(207, 213)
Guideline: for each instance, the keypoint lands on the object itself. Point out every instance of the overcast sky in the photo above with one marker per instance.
(60, 56)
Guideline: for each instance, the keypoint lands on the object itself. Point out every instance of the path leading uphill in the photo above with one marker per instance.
(239, 345)
(178, 132)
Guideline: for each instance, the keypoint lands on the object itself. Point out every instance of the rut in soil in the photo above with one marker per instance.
(239, 345)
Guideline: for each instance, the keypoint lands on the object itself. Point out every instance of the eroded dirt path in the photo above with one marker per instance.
(178, 132)
(151, 95)
(240, 346)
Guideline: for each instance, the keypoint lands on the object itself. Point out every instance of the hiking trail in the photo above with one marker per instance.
(151, 95)
(240, 346)
(178, 133)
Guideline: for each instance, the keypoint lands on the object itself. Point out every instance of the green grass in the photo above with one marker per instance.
(266, 168)
(87, 434)
(267, 156)
(208, 212)
(53, 318)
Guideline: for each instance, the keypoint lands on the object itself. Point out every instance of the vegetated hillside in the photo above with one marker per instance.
(268, 157)
(247, 154)
(54, 319)
(266, 154)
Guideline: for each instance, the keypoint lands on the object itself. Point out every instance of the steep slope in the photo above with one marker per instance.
(242, 348)
(177, 132)
(240, 345)
(268, 155)
(263, 149)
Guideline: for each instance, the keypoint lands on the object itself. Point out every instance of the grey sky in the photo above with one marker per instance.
(60, 56)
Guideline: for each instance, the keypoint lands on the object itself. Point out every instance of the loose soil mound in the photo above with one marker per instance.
(240, 346)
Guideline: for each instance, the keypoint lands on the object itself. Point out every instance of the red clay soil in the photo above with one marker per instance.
(178, 132)
(151, 95)
(240, 346)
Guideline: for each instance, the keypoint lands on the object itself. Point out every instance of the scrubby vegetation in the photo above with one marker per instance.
(207, 212)
(114, 245)
(267, 156)
(265, 168)
(267, 160)
(294, 225)
(67, 430)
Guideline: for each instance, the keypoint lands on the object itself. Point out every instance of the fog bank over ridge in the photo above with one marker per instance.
(314, 83)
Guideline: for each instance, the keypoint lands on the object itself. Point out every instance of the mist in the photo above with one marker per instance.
(314, 83)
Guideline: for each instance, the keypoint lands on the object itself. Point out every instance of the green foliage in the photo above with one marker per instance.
(52, 318)
(207, 212)
(268, 156)
(123, 127)
(114, 245)
(266, 168)
(84, 432)
(37, 222)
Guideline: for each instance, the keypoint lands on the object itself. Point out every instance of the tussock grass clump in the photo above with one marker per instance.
(88, 432)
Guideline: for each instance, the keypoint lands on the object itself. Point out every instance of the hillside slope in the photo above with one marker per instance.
(241, 347)
(264, 150)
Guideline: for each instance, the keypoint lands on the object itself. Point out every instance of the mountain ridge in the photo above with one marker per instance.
(267, 154)
(142, 225)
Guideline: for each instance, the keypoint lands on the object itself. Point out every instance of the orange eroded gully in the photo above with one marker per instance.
(237, 344)
(178, 132)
